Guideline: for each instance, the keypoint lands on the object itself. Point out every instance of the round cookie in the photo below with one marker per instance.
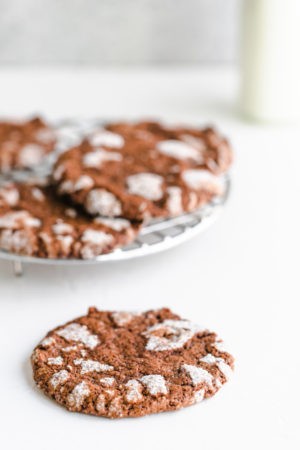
(192, 147)
(34, 222)
(24, 144)
(143, 170)
(121, 364)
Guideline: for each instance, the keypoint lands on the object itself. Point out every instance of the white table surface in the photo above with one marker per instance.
(239, 278)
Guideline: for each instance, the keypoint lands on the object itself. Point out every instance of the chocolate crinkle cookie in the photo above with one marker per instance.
(24, 144)
(143, 170)
(123, 364)
(34, 222)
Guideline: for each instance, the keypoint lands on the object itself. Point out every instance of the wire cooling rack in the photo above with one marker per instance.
(156, 236)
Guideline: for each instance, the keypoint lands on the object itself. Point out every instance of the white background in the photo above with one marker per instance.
(118, 31)
(240, 278)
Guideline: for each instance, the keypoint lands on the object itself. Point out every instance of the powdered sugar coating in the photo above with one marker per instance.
(111, 393)
(58, 172)
(45, 135)
(46, 240)
(83, 182)
(199, 395)
(35, 355)
(101, 403)
(100, 201)
(115, 407)
(62, 228)
(116, 224)
(107, 381)
(37, 194)
(96, 158)
(203, 179)
(96, 237)
(46, 342)
(79, 333)
(66, 187)
(32, 222)
(220, 346)
(88, 365)
(65, 243)
(58, 361)
(218, 383)
(78, 395)
(70, 348)
(198, 375)
(147, 185)
(170, 334)
(106, 138)
(133, 391)
(179, 150)
(155, 384)
(122, 318)
(18, 241)
(10, 195)
(196, 142)
(174, 201)
(95, 242)
(71, 212)
(193, 201)
(59, 378)
(31, 155)
(224, 368)
(69, 186)
(18, 219)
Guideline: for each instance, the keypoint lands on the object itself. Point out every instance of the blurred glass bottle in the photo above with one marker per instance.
(270, 60)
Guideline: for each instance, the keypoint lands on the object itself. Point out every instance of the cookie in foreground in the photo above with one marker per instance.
(34, 222)
(23, 145)
(122, 364)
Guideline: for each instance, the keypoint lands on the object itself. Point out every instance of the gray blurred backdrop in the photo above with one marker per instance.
(103, 32)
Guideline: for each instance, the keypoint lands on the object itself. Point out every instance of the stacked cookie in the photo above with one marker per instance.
(103, 190)
(24, 144)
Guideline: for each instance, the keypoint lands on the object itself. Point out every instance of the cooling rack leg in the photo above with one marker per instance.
(18, 268)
